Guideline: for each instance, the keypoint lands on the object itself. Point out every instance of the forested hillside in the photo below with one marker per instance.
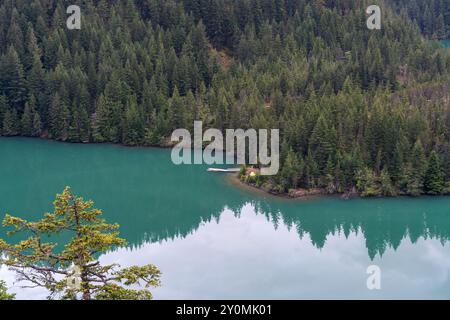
(356, 108)
(432, 16)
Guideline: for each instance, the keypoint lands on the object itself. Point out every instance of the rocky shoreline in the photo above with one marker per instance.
(303, 193)
(297, 193)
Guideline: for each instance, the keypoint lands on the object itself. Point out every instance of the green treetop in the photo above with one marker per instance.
(4, 295)
(434, 178)
(73, 271)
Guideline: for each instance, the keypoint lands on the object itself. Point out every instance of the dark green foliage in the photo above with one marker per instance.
(432, 16)
(12, 81)
(434, 177)
(133, 127)
(355, 108)
(387, 188)
(10, 123)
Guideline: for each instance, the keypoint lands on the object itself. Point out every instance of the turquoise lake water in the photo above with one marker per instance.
(214, 240)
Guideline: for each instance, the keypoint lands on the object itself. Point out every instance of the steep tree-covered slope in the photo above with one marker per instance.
(356, 107)
(432, 16)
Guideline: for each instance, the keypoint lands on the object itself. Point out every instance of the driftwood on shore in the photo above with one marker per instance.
(298, 193)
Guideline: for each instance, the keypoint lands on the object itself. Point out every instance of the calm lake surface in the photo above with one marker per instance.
(446, 43)
(213, 240)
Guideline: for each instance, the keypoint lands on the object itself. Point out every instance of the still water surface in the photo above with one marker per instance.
(212, 239)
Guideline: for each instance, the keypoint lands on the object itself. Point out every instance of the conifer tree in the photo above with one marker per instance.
(28, 117)
(10, 123)
(12, 81)
(434, 177)
(72, 271)
(133, 126)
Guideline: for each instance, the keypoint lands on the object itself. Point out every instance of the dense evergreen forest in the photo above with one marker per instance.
(357, 108)
(432, 16)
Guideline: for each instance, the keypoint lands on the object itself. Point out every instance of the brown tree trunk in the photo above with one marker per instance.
(85, 286)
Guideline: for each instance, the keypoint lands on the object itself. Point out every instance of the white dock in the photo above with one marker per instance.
(224, 170)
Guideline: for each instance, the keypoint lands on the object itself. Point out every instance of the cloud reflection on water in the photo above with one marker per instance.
(247, 256)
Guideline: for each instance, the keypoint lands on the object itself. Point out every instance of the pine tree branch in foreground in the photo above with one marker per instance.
(4, 295)
(73, 271)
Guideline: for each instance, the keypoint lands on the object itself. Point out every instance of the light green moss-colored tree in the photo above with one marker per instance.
(72, 271)
(4, 295)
